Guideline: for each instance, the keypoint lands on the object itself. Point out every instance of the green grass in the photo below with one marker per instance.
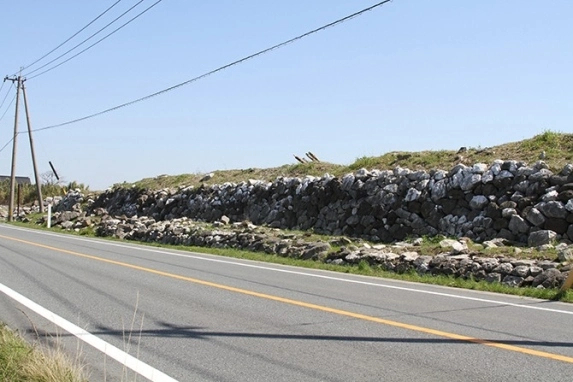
(363, 162)
(363, 268)
(21, 362)
(546, 140)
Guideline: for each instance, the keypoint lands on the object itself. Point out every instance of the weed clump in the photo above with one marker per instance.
(21, 362)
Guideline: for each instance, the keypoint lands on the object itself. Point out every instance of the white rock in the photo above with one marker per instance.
(508, 212)
(496, 167)
(412, 195)
(439, 190)
(469, 181)
(440, 174)
(479, 168)
(454, 244)
(393, 188)
(569, 205)
(487, 177)
(550, 196)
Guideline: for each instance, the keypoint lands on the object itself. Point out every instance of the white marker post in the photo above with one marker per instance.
(49, 215)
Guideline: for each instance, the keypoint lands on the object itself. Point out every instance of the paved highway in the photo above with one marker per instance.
(193, 317)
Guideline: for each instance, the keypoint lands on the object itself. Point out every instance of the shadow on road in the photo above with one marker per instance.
(167, 330)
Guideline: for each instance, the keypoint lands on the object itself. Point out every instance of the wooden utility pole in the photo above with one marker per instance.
(18, 81)
(38, 184)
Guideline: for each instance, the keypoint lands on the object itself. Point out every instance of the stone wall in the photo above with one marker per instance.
(506, 203)
(454, 258)
(509, 200)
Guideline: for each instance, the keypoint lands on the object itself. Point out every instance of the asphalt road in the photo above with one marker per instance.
(195, 317)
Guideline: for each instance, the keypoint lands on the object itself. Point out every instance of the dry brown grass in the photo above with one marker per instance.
(558, 148)
(22, 362)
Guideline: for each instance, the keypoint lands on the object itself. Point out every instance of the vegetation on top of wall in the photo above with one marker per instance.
(28, 192)
(555, 148)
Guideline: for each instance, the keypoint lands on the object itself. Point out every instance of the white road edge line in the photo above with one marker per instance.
(413, 290)
(111, 351)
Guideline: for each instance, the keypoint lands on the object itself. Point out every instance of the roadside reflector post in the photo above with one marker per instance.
(19, 198)
(49, 215)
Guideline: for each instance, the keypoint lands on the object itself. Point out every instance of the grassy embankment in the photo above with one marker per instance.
(558, 150)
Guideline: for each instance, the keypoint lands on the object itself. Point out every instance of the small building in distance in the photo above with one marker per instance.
(19, 179)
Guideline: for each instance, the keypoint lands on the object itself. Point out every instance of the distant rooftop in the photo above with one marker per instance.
(19, 179)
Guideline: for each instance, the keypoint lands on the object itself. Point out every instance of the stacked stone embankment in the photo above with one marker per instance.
(505, 203)
(505, 200)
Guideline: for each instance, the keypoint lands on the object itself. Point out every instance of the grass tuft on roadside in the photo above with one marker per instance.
(22, 362)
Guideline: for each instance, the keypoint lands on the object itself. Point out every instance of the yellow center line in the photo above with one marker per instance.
(420, 329)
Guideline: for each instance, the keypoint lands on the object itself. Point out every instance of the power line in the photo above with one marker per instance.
(7, 143)
(89, 38)
(74, 35)
(6, 96)
(277, 46)
(8, 107)
(97, 42)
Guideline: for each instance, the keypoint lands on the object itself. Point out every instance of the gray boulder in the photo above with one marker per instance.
(535, 217)
(315, 251)
(550, 278)
(478, 202)
(564, 253)
(493, 277)
(539, 238)
(513, 281)
(518, 225)
(553, 209)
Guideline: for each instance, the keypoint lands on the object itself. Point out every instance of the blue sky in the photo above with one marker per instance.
(407, 76)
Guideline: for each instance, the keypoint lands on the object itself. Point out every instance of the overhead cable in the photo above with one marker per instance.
(8, 107)
(6, 96)
(277, 46)
(7, 143)
(72, 36)
(89, 38)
